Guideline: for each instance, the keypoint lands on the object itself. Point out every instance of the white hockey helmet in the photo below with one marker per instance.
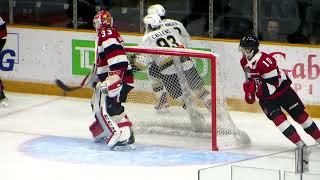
(152, 21)
(157, 9)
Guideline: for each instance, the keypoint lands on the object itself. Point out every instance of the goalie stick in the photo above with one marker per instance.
(67, 88)
(89, 79)
(85, 81)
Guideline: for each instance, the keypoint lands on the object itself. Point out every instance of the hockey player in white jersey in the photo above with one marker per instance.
(170, 23)
(163, 36)
(177, 26)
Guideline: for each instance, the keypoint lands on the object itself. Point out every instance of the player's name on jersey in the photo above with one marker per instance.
(171, 24)
(161, 33)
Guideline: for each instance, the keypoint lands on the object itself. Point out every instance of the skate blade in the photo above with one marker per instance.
(128, 147)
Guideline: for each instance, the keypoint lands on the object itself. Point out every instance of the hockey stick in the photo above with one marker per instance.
(84, 82)
(67, 88)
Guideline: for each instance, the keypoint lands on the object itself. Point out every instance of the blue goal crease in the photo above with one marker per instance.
(78, 150)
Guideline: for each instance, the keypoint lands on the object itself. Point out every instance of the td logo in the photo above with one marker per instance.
(82, 56)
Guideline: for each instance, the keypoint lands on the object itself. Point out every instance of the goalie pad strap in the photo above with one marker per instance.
(115, 85)
(123, 124)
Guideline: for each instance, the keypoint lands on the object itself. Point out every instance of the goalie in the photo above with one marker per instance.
(115, 79)
(162, 36)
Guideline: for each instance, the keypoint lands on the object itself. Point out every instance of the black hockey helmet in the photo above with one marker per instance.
(249, 41)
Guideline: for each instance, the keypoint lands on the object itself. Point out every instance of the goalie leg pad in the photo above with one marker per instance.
(104, 128)
(97, 131)
(113, 129)
(112, 86)
(125, 128)
(127, 134)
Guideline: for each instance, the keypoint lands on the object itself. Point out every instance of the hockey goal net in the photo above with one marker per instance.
(179, 92)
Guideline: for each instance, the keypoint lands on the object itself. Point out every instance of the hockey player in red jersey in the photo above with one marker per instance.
(272, 87)
(3, 38)
(115, 76)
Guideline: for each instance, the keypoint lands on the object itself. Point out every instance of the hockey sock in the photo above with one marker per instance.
(205, 96)
(288, 130)
(308, 125)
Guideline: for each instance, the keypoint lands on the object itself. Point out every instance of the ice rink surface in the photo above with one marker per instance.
(47, 137)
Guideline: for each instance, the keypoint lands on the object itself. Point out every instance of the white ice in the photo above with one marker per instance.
(29, 117)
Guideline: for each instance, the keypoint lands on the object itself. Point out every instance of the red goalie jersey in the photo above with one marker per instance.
(3, 29)
(112, 58)
(270, 81)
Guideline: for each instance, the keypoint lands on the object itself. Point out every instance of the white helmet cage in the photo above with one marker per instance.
(157, 9)
(152, 21)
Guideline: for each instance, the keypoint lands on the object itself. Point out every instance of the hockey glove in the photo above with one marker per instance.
(249, 90)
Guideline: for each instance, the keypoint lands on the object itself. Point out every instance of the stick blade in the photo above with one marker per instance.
(64, 87)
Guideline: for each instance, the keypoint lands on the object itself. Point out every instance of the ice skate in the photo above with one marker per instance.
(302, 159)
(126, 145)
(123, 146)
(3, 100)
(162, 103)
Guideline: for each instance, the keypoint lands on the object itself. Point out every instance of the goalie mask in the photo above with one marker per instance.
(157, 9)
(102, 19)
(152, 21)
(249, 46)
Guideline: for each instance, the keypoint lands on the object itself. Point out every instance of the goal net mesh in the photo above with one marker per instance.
(178, 93)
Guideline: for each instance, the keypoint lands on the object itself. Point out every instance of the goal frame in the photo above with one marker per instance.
(197, 54)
